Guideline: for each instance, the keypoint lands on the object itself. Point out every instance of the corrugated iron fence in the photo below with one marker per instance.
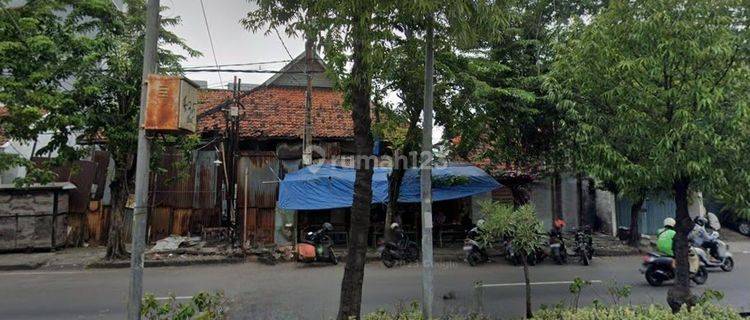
(183, 195)
(257, 191)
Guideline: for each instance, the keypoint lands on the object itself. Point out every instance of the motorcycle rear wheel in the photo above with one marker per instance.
(332, 256)
(472, 258)
(728, 264)
(585, 259)
(388, 260)
(652, 278)
(701, 276)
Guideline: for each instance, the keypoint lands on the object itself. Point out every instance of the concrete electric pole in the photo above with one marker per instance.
(426, 175)
(307, 138)
(142, 166)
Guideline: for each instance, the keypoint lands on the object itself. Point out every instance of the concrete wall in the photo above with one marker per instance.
(606, 211)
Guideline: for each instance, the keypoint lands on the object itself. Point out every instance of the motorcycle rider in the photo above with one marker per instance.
(327, 227)
(665, 237)
(475, 234)
(701, 238)
(398, 234)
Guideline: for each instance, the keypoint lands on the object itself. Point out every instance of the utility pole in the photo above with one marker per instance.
(307, 138)
(426, 174)
(142, 166)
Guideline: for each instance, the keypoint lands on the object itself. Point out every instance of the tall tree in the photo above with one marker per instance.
(87, 80)
(665, 81)
(500, 112)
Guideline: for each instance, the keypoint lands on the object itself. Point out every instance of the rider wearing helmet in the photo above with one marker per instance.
(665, 237)
(398, 232)
(701, 238)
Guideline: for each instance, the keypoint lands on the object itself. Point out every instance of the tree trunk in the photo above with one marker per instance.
(520, 193)
(527, 280)
(557, 209)
(413, 93)
(635, 235)
(394, 189)
(351, 285)
(680, 293)
(115, 239)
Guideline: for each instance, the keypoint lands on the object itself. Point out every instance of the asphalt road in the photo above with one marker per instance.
(291, 291)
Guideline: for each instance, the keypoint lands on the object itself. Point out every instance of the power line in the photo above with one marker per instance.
(287, 52)
(251, 71)
(211, 41)
(239, 64)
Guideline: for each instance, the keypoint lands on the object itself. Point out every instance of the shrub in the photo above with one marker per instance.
(202, 306)
(654, 312)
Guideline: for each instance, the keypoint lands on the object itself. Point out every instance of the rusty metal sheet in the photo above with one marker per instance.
(174, 188)
(206, 180)
(260, 173)
(162, 103)
(82, 175)
(62, 173)
(100, 178)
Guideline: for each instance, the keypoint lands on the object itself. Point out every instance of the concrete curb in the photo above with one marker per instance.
(20, 267)
(165, 263)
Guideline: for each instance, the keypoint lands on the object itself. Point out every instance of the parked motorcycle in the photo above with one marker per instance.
(557, 250)
(517, 259)
(317, 246)
(403, 250)
(475, 251)
(584, 245)
(724, 261)
(658, 268)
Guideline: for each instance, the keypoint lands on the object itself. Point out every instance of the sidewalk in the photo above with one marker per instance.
(92, 257)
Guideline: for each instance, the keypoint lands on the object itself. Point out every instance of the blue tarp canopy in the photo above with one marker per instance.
(327, 186)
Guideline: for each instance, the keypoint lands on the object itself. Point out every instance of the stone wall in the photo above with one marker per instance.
(26, 219)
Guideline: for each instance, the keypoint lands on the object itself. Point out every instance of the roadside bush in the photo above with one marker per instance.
(654, 312)
(203, 306)
(703, 311)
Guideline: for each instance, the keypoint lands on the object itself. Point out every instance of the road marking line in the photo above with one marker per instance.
(746, 252)
(176, 298)
(518, 284)
(39, 273)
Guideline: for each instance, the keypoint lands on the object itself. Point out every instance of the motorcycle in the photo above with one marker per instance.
(317, 247)
(557, 249)
(657, 269)
(475, 251)
(724, 261)
(393, 252)
(583, 245)
(517, 259)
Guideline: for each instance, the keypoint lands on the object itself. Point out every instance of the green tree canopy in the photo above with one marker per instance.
(658, 93)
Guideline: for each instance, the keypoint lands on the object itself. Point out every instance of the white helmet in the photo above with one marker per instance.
(394, 226)
(480, 223)
(670, 222)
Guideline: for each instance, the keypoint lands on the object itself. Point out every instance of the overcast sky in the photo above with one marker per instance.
(232, 42)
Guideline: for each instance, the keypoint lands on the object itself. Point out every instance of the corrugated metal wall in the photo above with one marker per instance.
(257, 190)
(655, 210)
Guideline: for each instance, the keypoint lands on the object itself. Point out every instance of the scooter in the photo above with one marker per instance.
(557, 249)
(317, 247)
(725, 261)
(657, 269)
(393, 252)
(475, 251)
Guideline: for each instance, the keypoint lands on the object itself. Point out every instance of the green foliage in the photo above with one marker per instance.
(75, 67)
(449, 181)
(576, 288)
(656, 92)
(656, 312)
(521, 225)
(500, 109)
(618, 293)
(202, 306)
(413, 312)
